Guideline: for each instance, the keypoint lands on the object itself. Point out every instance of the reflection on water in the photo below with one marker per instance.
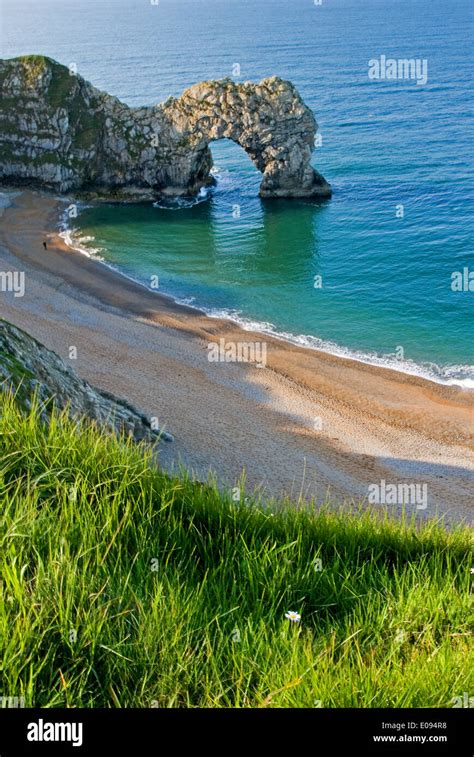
(377, 288)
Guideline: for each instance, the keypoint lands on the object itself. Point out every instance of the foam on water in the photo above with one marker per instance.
(78, 242)
(74, 238)
(183, 203)
(451, 375)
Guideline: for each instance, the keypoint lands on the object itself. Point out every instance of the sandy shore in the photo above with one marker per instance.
(307, 424)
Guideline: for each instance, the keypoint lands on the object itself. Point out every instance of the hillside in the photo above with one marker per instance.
(28, 368)
(124, 587)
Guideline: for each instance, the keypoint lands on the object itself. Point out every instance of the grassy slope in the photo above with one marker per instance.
(384, 623)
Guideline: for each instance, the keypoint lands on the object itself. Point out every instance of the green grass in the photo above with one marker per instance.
(178, 595)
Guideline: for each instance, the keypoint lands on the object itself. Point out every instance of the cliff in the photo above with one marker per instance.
(59, 132)
(27, 366)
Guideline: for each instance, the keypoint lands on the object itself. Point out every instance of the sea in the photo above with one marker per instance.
(384, 271)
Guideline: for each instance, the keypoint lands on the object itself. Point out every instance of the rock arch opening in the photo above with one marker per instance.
(232, 170)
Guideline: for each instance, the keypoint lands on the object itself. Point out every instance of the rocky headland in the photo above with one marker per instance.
(59, 132)
(28, 368)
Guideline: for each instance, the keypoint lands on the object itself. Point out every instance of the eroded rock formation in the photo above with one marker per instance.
(60, 132)
(26, 367)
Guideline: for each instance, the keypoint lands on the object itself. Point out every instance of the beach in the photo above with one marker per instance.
(306, 424)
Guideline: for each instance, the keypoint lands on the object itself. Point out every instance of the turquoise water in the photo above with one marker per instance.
(386, 281)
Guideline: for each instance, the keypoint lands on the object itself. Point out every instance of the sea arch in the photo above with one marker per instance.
(268, 120)
(60, 132)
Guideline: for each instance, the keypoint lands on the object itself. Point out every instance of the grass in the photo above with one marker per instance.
(124, 587)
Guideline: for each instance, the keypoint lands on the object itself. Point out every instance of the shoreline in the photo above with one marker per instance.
(408, 368)
(377, 423)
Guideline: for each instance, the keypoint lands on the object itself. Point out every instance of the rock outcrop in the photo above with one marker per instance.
(60, 132)
(26, 366)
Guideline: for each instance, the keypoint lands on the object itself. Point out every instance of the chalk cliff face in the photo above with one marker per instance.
(58, 131)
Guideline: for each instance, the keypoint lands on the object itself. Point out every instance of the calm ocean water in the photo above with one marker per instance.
(386, 281)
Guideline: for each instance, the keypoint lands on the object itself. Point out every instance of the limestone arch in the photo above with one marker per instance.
(269, 121)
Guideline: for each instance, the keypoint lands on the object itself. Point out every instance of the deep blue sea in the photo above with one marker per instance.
(386, 293)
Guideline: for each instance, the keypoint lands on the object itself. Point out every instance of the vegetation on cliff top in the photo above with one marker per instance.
(64, 91)
(124, 587)
(34, 66)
